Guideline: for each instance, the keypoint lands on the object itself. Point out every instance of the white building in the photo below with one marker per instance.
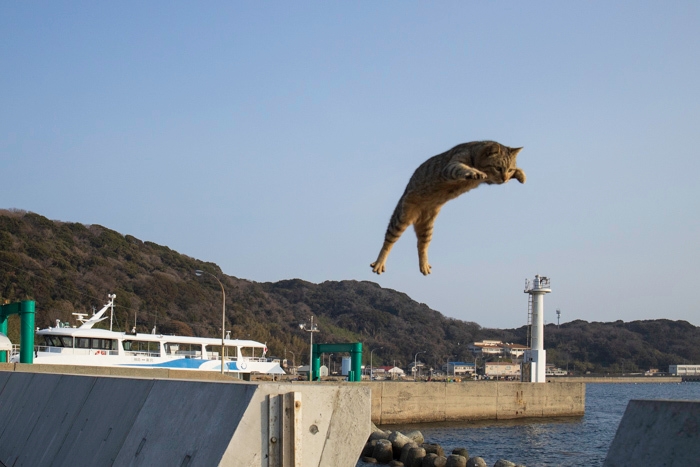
(684, 370)
(501, 369)
(392, 372)
(514, 350)
(487, 348)
(497, 349)
(459, 368)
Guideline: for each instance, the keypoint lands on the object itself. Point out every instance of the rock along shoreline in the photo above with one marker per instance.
(409, 449)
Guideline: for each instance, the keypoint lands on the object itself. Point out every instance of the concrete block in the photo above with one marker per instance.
(377, 389)
(24, 397)
(55, 420)
(408, 402)
(657, 432)
(565, 399)
(517, 400)
(195, 424)
(4, 377)
(471, 401)
(104, 420)
(67, 419)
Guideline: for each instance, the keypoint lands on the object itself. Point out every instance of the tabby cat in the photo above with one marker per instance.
(440, 179)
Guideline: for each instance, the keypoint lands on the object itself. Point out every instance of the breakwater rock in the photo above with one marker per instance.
(409, 449)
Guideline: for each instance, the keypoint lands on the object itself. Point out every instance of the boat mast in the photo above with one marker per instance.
(111, 315)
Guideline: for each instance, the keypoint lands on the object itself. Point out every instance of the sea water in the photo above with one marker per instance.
(579, 441)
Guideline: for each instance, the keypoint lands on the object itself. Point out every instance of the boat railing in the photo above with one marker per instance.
(255, 359)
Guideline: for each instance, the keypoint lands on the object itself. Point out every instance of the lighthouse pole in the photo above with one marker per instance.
(537, 356)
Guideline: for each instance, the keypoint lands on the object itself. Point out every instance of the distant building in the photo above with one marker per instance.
(501, 369)
(514, 350)
(684, 370)
(459, 368)
(497, 349)
(392, 372)
(487, 348)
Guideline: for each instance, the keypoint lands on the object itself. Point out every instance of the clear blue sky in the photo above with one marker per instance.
(275, 139)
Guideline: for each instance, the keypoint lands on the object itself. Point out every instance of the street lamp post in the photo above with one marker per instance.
(199, 273)
(371, 368)
(311, 330)
(415, 362)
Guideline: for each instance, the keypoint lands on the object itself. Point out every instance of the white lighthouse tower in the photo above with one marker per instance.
(536, 358)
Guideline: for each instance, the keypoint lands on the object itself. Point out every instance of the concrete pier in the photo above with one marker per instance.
(405, 402)
(657, 432)
(63, 419)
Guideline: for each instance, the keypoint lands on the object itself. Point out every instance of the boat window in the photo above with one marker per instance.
(66, 341)
(52, 341)
(104, 344)
(188, 350)
(215, 350)
(175, 348)
(141, 346)
(82, 342)
(250, 352)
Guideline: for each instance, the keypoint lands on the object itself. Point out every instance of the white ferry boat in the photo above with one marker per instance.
(85, 345)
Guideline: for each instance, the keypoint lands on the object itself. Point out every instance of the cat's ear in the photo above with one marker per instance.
(514, 151)
(490, 149)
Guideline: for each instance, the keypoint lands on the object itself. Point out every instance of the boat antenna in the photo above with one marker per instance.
(111, 315)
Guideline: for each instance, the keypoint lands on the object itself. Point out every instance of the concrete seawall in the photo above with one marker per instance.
(407, 402)
(657, 432)
(401, 402)
(67, 419)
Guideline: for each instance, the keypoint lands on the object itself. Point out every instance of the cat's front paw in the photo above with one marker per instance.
(475, 175)
(519, 175)
(378, 267)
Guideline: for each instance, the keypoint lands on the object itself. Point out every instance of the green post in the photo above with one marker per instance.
(26, 312)
(26, 315)
(356, 361)
(3, 329)
(316, 367)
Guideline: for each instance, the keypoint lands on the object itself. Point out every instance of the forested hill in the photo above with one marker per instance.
(70, 267)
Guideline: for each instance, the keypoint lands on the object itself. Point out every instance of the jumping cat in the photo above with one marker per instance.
(440, 179)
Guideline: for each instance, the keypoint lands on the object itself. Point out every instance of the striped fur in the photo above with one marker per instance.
(440, 179)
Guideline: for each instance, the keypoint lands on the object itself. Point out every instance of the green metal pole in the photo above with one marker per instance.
(26, 315)
(3, 329)
(356, 361)
(316, 363)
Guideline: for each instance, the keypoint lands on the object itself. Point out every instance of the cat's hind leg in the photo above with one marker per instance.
(424, 233)
(379, 266)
